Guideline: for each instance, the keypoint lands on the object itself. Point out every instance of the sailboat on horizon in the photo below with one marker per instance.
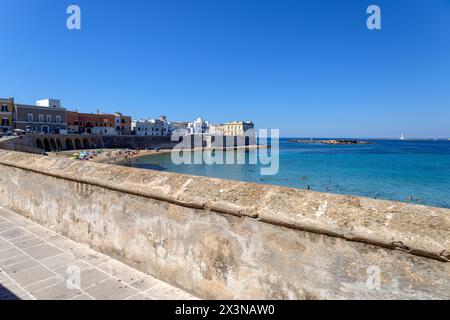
(403, 137)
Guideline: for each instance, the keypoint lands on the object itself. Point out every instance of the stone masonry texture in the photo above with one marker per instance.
(35, 264)
(224, 239)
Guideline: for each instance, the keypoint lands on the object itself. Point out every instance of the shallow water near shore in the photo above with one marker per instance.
(387, 169)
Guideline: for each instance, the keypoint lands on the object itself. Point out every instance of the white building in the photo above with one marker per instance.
(198, 126)
(216, 129)
(49, 103)
(153, 127)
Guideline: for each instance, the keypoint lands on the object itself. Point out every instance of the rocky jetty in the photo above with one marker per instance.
(330, 141)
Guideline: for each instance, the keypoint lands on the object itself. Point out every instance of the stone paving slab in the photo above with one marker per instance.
(38, 264)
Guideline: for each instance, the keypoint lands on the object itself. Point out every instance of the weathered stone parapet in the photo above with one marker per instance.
(227, 239)
(418, 229)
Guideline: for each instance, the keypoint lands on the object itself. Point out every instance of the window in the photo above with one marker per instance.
(4, 108)
(30, 117)
(5, 122)
(41, 118)
(49, 118)
(58, 119)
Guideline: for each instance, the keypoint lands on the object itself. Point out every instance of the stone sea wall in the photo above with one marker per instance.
(223, 239)
(134, 142)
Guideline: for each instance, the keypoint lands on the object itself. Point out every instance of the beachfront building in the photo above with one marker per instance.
(47, 116)
(198, 126)
(123, 124)
(179, 125)
(237, 128)
(90, 123)
(180, 128)
(6, 114)
(98, 123)
(72, 122)
(218, 129)
(153, 127)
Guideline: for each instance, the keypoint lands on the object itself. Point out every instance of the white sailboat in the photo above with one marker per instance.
(402, 137)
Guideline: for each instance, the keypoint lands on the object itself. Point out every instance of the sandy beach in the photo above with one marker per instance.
(111, 156)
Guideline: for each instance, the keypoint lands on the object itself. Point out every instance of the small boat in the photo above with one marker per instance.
(402, 137)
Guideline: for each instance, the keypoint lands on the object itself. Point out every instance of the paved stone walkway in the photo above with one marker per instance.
(38, 264)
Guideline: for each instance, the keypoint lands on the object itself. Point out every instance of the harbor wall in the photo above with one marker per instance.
(221, 239)
(134, 142)
(40, 143)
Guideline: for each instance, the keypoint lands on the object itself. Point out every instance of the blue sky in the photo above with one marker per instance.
(310, 68)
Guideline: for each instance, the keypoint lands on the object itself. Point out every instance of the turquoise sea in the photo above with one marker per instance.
(387, 169)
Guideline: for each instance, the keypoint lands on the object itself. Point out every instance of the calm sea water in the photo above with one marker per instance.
(387, 169)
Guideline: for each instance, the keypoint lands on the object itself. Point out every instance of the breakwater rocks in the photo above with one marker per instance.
(331, 141)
